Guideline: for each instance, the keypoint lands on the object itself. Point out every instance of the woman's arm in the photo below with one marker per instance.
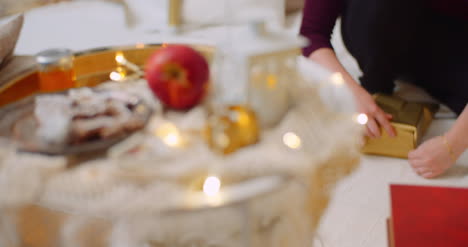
(318, 20)
(438, 154)
(457, 136)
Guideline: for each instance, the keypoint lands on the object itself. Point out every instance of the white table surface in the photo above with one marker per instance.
(361, 203)
(85, 25)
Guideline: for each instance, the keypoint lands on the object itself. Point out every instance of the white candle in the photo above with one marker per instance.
(269, 98)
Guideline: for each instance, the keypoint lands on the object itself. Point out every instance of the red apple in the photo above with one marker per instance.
(178, 75)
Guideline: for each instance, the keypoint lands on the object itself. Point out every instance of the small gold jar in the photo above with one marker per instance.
(55, 70)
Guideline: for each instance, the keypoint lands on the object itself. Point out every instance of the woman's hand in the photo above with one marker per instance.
(432, 158)
(377, 117)
(438, 154)
(365, 103)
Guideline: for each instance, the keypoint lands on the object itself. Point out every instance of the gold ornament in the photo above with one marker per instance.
(234, 128)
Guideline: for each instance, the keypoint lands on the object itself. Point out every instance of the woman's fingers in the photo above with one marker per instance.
(428, 174)
(373, 128)
(369, 132)
(374, 123)
(382, 118)
(417, 162)
(423, 170)
(415, 155)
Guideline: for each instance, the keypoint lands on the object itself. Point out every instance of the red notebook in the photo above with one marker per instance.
(429, 216)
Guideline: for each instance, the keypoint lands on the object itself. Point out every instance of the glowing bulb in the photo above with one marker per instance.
(116, 76)
(119, 57)
(362, 119)
(211, 186)
(337, 79)
(169, 134)
(172, 139)
(292, 140)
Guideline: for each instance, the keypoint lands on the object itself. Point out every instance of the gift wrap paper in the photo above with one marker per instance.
(410, 121)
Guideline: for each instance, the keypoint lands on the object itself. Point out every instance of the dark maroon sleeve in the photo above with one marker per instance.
(318, 20)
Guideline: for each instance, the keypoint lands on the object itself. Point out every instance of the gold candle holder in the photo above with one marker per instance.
(175, 13)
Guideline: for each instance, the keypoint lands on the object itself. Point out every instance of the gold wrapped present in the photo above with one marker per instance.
(410, 121)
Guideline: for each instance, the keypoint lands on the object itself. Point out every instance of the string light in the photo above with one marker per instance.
(119, 74)
(291, 140)
(361, 118)
(337, 79)
(169, 134)
(119, 58)
(116, 76)
(211, 186)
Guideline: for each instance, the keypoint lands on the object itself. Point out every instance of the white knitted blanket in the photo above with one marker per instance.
(137, 198)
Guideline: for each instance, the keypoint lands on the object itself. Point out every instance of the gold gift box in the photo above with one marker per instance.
(410, 121)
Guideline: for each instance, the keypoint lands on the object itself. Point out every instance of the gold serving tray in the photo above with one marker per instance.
(92, 67)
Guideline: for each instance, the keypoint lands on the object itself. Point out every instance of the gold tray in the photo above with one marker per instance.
(92, 67)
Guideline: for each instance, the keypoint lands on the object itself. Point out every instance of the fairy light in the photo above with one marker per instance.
(337, 79)
(169, 134)
(211, 186)
(172, 139)
(116, 76)
(119, 58)
(361, 118)
(119, 74)
(122, 61)
(291, 140)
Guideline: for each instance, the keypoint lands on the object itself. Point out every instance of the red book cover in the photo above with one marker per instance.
(429, 216)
